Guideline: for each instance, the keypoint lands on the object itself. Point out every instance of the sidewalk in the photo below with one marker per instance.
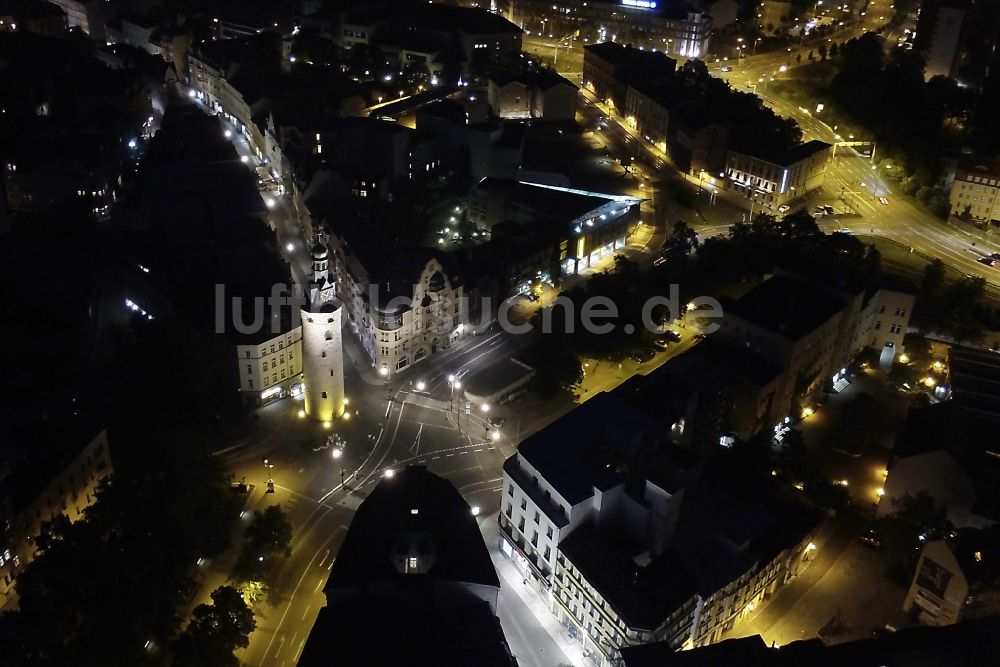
(562, 649)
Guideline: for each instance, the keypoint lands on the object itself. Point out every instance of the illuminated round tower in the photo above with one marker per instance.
(322, 349)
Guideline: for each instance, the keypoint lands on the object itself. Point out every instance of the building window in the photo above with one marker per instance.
(548, 552)
(324, 394)
(524, 504)
(510, 490)
(548, 532)
(536, 516)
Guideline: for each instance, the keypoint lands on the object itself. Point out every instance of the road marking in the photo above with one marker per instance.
(296, 590)
(319, 585)
(308, 607)
(298, 653)
(324, 557)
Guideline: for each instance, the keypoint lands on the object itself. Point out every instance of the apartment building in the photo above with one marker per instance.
(609, 68)
(630, 547)
(775, 181)
(885, 318)
(59, 477)
(542, 94)
(671, 27)
(403, 306)
(221, 74)
(957, 579)
(975, 193)
(270, 366)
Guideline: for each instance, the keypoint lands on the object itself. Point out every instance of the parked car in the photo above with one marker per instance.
(661, 343)
(643, 355)
(871, 539)
(672, 336)
(988, 261)
(883, 201)
(726, 68)
(783, 208)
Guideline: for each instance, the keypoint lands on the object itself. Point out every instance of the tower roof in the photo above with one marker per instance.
(319, 251)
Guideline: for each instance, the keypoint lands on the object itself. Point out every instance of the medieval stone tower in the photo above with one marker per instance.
(322, 350)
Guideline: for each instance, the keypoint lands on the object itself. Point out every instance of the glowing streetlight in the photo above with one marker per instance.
(327, 424)
(338, 452)
(485, 407)
(421, 385)
(289, 247)
(390, 473)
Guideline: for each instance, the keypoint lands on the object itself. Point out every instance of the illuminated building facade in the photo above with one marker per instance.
(672, 27)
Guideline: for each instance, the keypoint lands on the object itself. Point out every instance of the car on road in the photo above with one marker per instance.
(642, 355)
(988, 261)
(883, 201)
(871, 539)
(726, 68)
(662, 343)
(783, 208)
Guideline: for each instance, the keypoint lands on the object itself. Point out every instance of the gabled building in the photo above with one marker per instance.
(411, 584)
(957, 579)
(542, 94)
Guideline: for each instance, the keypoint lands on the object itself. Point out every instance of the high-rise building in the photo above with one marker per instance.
(947, 38)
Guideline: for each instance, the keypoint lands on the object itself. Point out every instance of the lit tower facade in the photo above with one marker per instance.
(322, 350)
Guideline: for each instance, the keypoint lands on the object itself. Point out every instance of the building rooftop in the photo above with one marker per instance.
(978, 554)
(541, 78)
(974, 379)
(643, 595)
(743, 652)
(442, 528)
(577, 452)
(787, 306)
(961, 645)
(406, 630)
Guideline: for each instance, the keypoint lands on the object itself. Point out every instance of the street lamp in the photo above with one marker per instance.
(485, 407)
(389, 473)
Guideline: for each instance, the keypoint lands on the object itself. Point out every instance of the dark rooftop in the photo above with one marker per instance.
(642, 595)
(443, 523)
(966, 644)
(541, 78)
(974, 377)
(787, 306)
(743, 652)
(576, 453)
(408, 631)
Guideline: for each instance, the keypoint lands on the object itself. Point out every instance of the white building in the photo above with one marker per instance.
(272, 368)
(656, 554)
(322, 346)
(975, 192)
(770, 182)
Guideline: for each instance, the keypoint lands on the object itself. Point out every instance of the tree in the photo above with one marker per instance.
(834, 49)
(933, 279)
(918, 349)
(822, 51)
(683, 241)
(269, 533)
(900, 530)
(557, 368)
(215, 631)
